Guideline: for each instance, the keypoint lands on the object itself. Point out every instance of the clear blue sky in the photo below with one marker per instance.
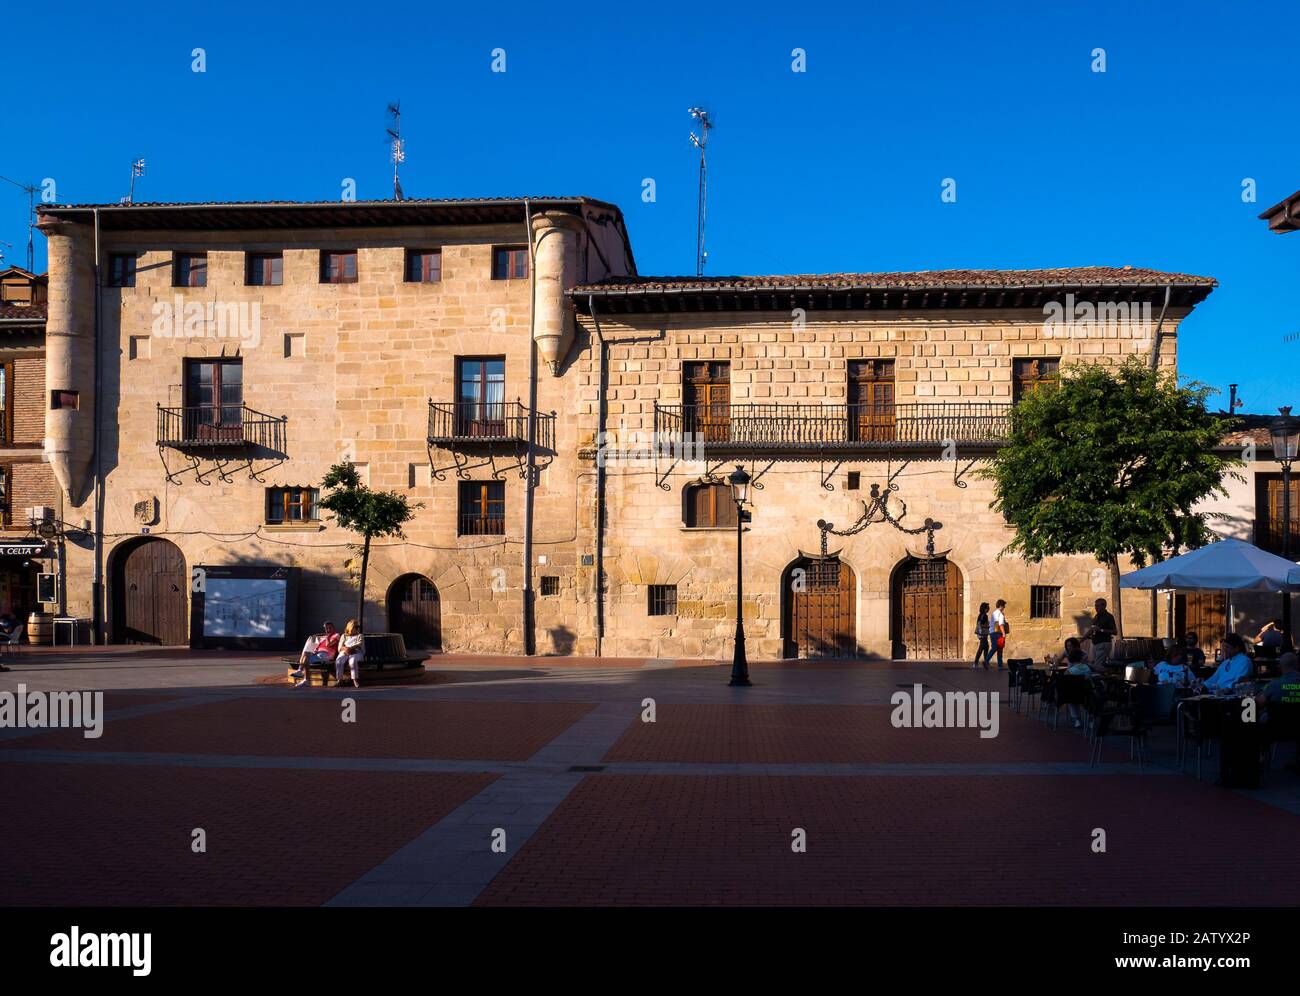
(835, 169)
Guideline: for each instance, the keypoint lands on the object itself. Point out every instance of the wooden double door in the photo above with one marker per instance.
(151, 601)
(820, 609)
(415, 611)
(927, 609)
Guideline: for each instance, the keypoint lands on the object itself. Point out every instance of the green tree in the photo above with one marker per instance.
(1110, 462)
(371, 513)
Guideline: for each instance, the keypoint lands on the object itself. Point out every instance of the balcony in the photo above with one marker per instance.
(811, 427)
(230, 427)
(470, 423)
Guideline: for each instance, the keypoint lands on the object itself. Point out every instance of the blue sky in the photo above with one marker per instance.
(835, 169)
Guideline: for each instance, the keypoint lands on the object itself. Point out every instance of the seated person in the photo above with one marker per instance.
(1286, 687)
(1175, 670)
(1270, 638)
(8, 624)
(320, 648)
(1072, 653)
(352, 651)
(1195, 655)
(1236, 665)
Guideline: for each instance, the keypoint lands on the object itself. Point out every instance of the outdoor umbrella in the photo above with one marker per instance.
(1228, 565)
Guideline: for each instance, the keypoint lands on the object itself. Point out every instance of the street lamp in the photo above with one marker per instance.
(1285, 430)
(739, 481)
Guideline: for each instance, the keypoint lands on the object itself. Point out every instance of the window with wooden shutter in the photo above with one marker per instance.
(710, 505)
(1033, 374)
(1268, 514)
(871, 400)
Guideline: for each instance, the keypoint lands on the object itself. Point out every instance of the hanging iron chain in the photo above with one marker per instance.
(879, 506)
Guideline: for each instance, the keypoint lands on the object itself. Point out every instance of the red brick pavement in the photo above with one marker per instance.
(311, 725)
(82, 834)
(784, 734)
(928, 841)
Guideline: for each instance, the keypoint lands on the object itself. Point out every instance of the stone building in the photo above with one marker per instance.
(29, 497)
(456, 351)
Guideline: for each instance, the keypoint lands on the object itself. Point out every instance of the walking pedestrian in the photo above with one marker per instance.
(982, 631)
(1000, 630)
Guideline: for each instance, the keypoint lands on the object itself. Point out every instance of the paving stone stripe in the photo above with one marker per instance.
(453, 860)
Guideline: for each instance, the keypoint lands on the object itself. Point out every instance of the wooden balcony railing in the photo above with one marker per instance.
(224, 427)
(810, 426)
(464, 422)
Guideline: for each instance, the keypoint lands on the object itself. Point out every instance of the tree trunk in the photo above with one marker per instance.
(361, 590)
(1117, 607)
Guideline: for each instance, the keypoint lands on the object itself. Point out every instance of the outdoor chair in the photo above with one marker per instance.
(1064, 690)
(13, 642)
(1121, 721)
(1014, 665)
(1199, 726)
(1030, 683)
(1281, 727)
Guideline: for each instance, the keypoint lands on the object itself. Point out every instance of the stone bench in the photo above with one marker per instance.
(386, 659)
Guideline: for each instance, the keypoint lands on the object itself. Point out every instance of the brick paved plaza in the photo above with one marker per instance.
(401, 806)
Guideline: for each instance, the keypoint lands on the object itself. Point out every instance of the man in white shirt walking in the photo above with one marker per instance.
(1000, 629)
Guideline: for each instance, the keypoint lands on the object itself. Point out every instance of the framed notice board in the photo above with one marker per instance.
(244, 607)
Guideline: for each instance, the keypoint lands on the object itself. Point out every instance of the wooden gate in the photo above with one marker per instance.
(821, 609)
(927, 602)
(151, 595)
(415, 611)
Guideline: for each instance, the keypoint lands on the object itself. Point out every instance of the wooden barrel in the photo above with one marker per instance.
(40, 628)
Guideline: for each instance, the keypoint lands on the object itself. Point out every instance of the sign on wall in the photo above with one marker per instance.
(244, 607)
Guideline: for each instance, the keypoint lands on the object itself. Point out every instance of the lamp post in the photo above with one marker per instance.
(739, 481)
(1285, 430)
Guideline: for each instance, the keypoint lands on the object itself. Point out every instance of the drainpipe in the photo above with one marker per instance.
(600, 476)
(97, 534)
(1155, 342)
(527, 607)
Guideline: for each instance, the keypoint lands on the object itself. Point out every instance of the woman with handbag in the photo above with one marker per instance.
(982, 631)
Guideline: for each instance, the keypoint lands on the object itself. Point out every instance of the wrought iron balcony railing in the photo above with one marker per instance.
(465, 422)
(811, 426)
(220, 427)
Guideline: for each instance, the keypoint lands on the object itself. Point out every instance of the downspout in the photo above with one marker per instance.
(97, 534)
(1155, 342)
(526, 620)
(600, 475)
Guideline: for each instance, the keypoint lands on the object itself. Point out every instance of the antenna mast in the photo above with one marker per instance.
(31, 219)
(700, 141)
(137, 169)
(399, 150)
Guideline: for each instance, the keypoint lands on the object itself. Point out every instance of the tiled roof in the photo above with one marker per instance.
(1065, 278)
(35, 313)
(409, 202)
(1250, 429)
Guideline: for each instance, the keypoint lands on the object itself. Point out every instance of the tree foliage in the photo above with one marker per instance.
(1111, 462)
(358, 508)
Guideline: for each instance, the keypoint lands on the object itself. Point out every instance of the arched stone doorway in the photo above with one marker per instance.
(150, 593)
(926, 609)
(414, 610)
(819, 608)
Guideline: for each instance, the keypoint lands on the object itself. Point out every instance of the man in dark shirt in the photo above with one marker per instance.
(1195, 655)
(1102, 632)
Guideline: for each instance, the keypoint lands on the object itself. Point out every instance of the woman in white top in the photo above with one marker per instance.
(351, 653)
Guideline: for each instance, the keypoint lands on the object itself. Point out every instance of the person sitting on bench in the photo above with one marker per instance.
(319, 650)
(351, 653)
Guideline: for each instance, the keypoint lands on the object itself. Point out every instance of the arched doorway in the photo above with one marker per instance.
(150, 595)
(819, 610)
(926, 605)
(415, 612)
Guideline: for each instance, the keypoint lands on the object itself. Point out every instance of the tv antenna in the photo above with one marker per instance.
(137, 169)
(398, 147)
(700, 141)
(3, 243)
(31, 218)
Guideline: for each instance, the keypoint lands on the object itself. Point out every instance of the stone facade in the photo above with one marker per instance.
(351, 368)
(957, 356)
